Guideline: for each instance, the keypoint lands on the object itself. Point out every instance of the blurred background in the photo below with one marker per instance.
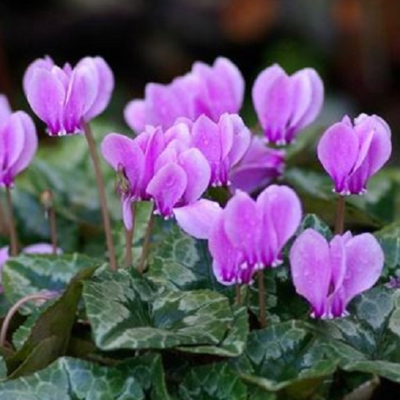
(354, 44)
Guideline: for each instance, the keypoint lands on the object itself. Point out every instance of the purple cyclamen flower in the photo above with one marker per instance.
(158, 167)
(205, 90)
(286, 104)
(223, 144)
(259, 166)
(330, 275)
(66, 97)
(18, 142)
(248, 234)
(39, 248)
(351, 154)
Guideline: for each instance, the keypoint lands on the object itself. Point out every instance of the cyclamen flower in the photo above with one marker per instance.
(286, 104)
(223, 144)
(352, 153)
(167, 171)
(257, 168)
(330, 275)
(206, 90)
(18, 142)
(66, 97)
(248, 234)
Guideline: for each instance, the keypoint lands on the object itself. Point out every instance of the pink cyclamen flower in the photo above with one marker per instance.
(223, 143)
(206, 90)
(352, 153)
(248, 234)
(153, 166)
(286, 104)
(66, 97)
(259, 166)
(330, 275)
(18, 142)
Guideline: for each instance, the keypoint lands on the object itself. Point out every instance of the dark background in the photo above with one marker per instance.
(354, 44)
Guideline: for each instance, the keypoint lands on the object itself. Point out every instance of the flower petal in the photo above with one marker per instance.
(364, 263)
(46, 95)
(337, 152)
(105, 86)
(5, 109)
(135, 115)
(198, 174)
(40, 248)
(310, 268)
(197, 219)
(167, 187)
(243, 225)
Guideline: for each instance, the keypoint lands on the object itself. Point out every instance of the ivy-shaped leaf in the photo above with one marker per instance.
(29, 274)
(369, 339)
(71, 379)
(286, 357)
(213, 382)
(127, 312)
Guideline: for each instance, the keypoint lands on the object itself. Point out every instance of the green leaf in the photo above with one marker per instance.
(50, 335)
(234, 343)
(127, 312)
(314, 222)
(285, 357)
(71, 379)
(213, 382)
(148, 371)
(29, 274)
(369, 339)
(181, 262)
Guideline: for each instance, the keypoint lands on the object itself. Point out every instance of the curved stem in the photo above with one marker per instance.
(102, 195)
(146, 243)
(48, 204)
(128, 240)
(261, 299)
(339, 218)
(17, 305)
(3, 221)
(12, 230)
(238, 295)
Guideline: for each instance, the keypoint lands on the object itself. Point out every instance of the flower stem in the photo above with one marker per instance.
(12, 230)
(102, 195)
(146, 243)
(238, 297)
(48, 204)
(128, 240)
(3, 221)
(11, 312)
(339, 218)
(261, 299)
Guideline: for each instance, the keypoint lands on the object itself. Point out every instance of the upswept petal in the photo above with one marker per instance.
(163, 107)
(337, 261)
(46, 63)
(380, 146)
(316, 98)
(206, 137)
(80, 97)
(282, 212)
(167, 187)
(30, 144)
(122, 152)
(243, 223)
(46, 94)
(179, 131)
(261, 88)
(364, 263)
(127, 213)
(226, 134)
(241, 139)
(5, 109)
(105, 86)
(197, 218)
(234, 83)
(225, 256)
(40, 248)
(337, 152)
(135, 115)
(311, 274)
(198, 174)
